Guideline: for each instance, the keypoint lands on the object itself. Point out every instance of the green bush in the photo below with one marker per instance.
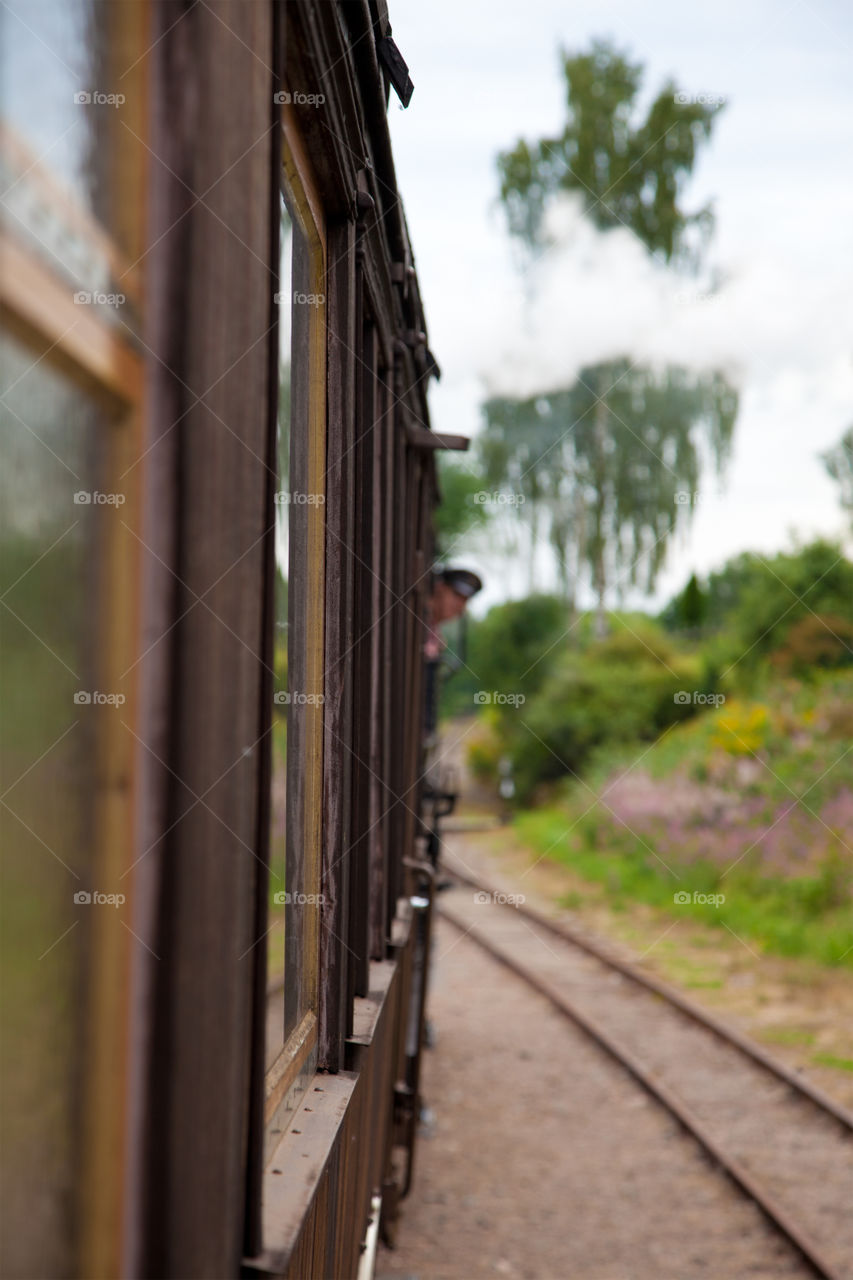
(485, 751)
(753, 601)
(815, 641)
(512, 650)
(622, 689)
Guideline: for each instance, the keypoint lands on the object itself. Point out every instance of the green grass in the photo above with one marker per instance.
(795, 917)
(789, 1035)
(830, 1060)
(788, 739)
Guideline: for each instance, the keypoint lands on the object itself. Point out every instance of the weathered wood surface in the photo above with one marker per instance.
(335, 1007)
(212, 275)
(207, 679)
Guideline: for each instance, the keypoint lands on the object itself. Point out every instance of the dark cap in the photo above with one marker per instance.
(462, 581)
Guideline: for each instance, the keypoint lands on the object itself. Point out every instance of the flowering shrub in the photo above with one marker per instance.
(741, 728)
(754, 801)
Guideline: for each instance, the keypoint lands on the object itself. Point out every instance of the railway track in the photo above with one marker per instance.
(785, 1143)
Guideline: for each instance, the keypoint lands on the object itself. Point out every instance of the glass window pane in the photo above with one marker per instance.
(278, 807)
(51, 435)
(72, 116)
(52, 56)
(298, 713)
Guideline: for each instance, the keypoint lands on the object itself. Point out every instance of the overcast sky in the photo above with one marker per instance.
(779, 171)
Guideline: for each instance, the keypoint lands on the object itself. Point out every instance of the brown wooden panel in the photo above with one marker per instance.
(335, 1002)
(375, 424)
(213, 272)
(363, 795)
(391, 713)
(252, 1234)
(401, 725)
(421, 438)
(332, 1161)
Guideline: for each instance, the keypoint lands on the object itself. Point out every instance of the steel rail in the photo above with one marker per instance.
(809, 1250)
(705, 1019)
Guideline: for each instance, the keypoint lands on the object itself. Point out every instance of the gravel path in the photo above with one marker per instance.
(799, 1154)
(547, 1161)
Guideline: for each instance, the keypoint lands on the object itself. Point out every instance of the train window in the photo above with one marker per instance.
(295, 889)
(281, 696)
(46, 551)
(70, 427)
(160, 614)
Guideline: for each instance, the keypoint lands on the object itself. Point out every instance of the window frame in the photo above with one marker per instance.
(288, 1075)
(39, 311)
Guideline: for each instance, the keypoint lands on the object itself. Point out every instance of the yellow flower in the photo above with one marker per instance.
(741, 728)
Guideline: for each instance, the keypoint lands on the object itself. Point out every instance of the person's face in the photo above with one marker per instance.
(447, 603)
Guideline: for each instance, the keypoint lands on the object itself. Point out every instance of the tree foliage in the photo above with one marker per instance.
(510, 648)
(629, 171)
(815, 642)
(608, 467)
(621, 689)
(839, 463)
(459, 511)
(797, 603)
(688, 610)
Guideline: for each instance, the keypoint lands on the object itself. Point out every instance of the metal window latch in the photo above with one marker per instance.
(398, 72)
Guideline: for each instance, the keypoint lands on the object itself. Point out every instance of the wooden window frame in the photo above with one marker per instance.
(288, 1076)
(39, 310)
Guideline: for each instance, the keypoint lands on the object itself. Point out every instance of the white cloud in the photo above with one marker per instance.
(778, 171)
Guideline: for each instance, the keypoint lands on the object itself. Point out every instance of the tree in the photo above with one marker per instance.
(839, 463)
(693, 605)
(758, 599)
(514, 646)
(610, 465)
(630, 172)
(796, 603)
(461, 509)
(688, 610)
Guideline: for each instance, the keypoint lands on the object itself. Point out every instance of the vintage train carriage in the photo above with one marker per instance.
(217, 487)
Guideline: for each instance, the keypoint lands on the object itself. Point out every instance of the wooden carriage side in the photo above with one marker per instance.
(219, 1201)
(176, 1106)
